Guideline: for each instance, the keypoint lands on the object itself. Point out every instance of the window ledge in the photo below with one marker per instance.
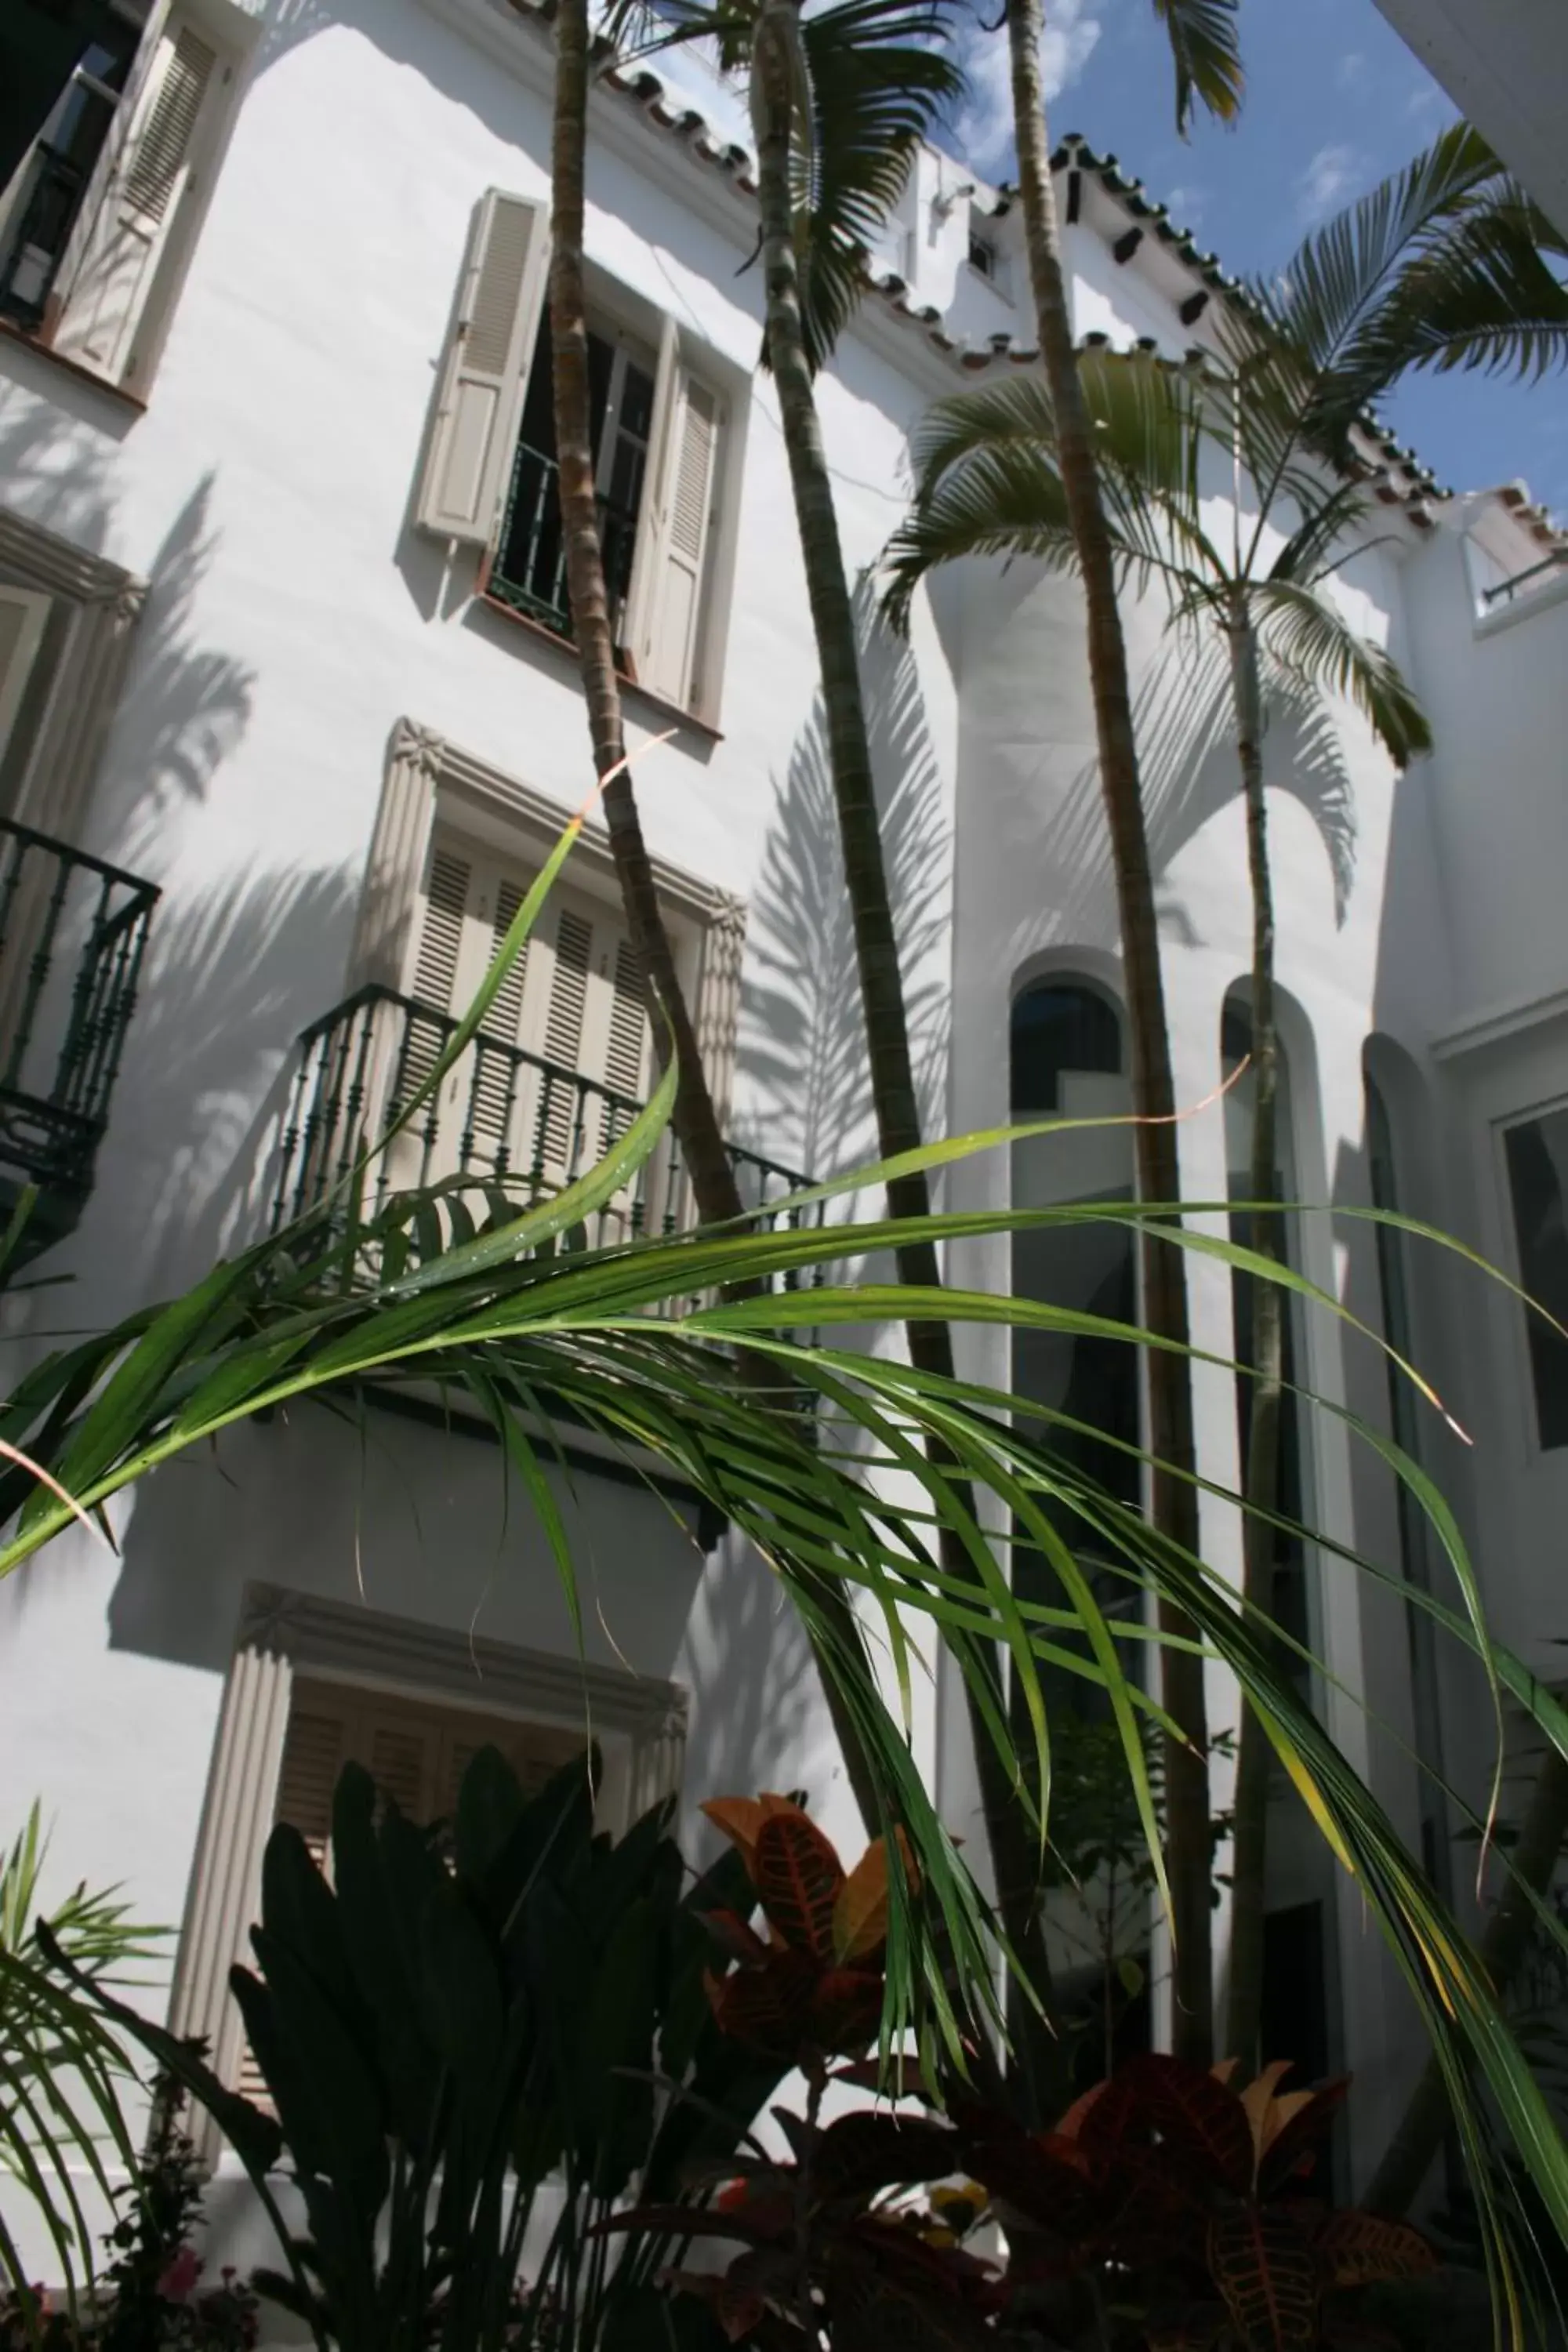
(658, 703)
(14, 334)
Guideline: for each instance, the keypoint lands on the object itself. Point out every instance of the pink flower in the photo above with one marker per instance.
(181, 2272)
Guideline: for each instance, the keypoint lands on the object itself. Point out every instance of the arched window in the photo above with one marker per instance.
(1065, 1033)
(1291, 1607)
(1393, 1282)
(1059, 1026)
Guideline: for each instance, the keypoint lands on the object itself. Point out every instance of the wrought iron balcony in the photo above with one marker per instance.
(502, 1117)
(72, 935)
(529, 569)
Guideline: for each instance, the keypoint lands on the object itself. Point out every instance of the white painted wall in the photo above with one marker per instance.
(295, 616)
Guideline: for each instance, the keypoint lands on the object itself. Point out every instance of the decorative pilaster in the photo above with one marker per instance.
(226, 1883)
(718, 1009)
(397, 848)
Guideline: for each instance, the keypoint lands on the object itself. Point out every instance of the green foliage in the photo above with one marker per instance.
(62, 2069)
(872, 79)
(454, 2051)
(1165, 2212)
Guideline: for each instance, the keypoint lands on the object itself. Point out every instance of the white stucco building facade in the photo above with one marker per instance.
(277, 586)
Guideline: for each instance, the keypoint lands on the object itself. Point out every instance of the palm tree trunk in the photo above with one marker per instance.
(1189, 1850)
(694, 1120)
(696, 1126)
(1260, 1478)
(1542, 1838)
(1014, 1844)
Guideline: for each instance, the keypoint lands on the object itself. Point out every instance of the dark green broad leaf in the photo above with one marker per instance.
(384, 1877)
(491, 1806)
(616, 2093)
(328, 2093)
(300, 1911)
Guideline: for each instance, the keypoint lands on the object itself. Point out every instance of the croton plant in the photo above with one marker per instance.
(1168, 2211)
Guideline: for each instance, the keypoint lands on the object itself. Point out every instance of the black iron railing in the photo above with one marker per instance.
(503, 1118)
(73, 932)
(530, 569)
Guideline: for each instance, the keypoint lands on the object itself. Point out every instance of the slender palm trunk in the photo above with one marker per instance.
(1261, 1475)
(1542, 1838)
(1189, 1855)
(696, 1124)
(1014, 1846)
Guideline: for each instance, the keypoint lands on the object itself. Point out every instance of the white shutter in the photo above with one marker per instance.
(23, 615)
(140, 203)
(685, 533)
(485, 369)
(574, 997)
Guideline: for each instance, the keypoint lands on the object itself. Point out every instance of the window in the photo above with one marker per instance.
(1535, 1152)
(982, 256)
(416, 1751)
(1067, 1056)
(1290, 1610)
(1394, 1288)
(66, 619)
(1057, 1027)
(662, 447)
(316, 1682)
(563, 1060)
(112, 113)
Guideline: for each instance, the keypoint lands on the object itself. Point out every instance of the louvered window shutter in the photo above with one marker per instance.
(438, 957)
(485, 369)
(23, 615)
(147, 185)
(399, 1750)
(684, 543)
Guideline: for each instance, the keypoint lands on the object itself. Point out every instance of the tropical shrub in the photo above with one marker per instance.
(473, 2039)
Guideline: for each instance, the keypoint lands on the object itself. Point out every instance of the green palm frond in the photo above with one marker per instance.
(988, 477)
(1328, 515)
(873, 78)
(1331, 290)
(60, 2066)
(1304, 631)
(881, 77)
(1204, 45)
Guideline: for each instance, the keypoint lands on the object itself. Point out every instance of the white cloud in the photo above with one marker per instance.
(1186, 206)
(1351, 72)
(985, 127)
(1330, 176)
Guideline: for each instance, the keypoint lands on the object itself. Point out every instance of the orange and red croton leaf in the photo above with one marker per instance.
(1359, 2249)
(1268, 2272)
(797, 1875)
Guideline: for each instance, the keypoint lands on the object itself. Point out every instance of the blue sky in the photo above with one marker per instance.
(1334, 101)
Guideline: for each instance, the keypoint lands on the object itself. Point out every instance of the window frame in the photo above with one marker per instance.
(231, 34)
(430, 781)
(282, 1634)
(1522, 1353)
(80, 676)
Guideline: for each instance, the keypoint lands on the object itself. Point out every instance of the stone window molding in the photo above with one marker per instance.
(95, 605)
(282, 1633)
(425, 770)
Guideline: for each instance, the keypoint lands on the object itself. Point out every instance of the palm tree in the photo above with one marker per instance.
(1203, 42)
(712, 1172)
(619, 1339)
(707, 1163)
(1447, 238)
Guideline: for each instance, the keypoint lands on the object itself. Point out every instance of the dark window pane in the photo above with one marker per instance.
(1057, 1027)
(1537, 1154)
(636, 403)
(1295, 1991)
(1092, 1382)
